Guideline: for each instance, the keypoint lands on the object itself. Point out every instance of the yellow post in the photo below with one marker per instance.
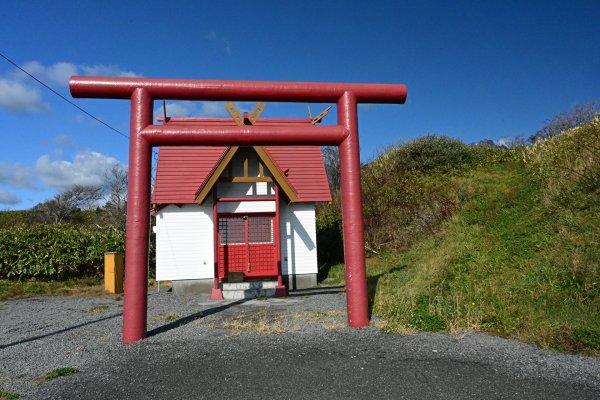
(113, 272)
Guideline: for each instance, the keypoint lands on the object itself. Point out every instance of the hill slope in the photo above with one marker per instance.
(505, 264)
(510, 261)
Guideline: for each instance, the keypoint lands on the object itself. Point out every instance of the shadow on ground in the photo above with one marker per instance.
(191, 318)
(33, 338)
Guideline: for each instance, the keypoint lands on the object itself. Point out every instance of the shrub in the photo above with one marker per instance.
(410, 190)
(56, 251)
(568, 164)
(11, 219)
(431, 154)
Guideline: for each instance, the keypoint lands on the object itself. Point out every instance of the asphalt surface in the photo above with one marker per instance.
(296, 348)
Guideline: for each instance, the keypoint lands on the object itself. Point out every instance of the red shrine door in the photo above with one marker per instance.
(247, 245)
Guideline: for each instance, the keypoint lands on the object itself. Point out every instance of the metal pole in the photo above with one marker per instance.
(181, 135)
(138, 218)
(216, 293)
(280, 290)
(354, 251)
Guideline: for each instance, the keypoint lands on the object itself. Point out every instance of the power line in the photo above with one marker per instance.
(63, 97)
(69, 101)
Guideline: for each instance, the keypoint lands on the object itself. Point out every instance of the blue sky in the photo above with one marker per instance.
(474, 70)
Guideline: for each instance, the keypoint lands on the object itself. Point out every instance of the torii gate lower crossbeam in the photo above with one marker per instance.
(144, 135)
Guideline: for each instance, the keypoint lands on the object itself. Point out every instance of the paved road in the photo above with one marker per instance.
(338, 366)
(294, 348)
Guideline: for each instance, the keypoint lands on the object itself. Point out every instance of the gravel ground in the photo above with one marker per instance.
(38, 335)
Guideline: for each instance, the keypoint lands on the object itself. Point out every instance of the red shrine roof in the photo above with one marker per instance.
(182, 170)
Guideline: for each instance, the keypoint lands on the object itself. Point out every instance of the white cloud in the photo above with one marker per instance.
(60, 72)
(206, 109)
(16, 175)
(505, 141)
(33, 67)
(177, 109)
(214, 109)
(20, 98)
(106, 70)
(9, 198)
(19, 93)
(87, 168)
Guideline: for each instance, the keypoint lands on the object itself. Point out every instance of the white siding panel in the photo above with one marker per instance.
(184, 242)
(227, 189)
(262, 188)
(298, 239)
(246, 206)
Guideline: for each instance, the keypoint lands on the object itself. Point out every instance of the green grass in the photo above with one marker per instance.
(9, 395)
(100, 308)
(507, 264)
(59, 372)
(73, 287)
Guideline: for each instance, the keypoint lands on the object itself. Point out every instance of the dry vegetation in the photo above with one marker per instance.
(518, 256)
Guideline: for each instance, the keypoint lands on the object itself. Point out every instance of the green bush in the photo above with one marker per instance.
(432, 154)
(56, 251)
(11, 219)
(411, 189)
(407, 192)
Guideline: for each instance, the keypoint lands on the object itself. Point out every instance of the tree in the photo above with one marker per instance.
(581, 114)
(66, 206)
(115, 187)
(331, 156)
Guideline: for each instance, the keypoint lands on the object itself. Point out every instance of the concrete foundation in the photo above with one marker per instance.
(203, 287)
(296, 282)
(193, 287)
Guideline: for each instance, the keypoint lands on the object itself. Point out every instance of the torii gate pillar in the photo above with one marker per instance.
(144, 135)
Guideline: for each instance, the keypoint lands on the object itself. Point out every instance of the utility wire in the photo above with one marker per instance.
(63, 97)
(70, 102)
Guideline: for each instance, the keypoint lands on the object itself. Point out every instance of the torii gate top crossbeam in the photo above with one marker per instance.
(182, 89)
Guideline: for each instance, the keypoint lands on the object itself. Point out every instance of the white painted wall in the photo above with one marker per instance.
(246, 206)
(184, 242)
(298, 239)
(226, 189)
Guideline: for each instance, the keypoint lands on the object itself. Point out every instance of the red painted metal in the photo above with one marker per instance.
(280, 289)
(216, 293)
(239, 199)
(247, 244)
(182, 89)
(245, 135)
(138, 219)
(142, 91)
(354, 251)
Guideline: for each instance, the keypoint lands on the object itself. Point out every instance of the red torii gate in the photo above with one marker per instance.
(143, 135)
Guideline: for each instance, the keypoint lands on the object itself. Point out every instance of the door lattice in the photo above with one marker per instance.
(246, 244)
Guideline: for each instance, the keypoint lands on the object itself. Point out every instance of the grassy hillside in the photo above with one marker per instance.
(517, 258)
